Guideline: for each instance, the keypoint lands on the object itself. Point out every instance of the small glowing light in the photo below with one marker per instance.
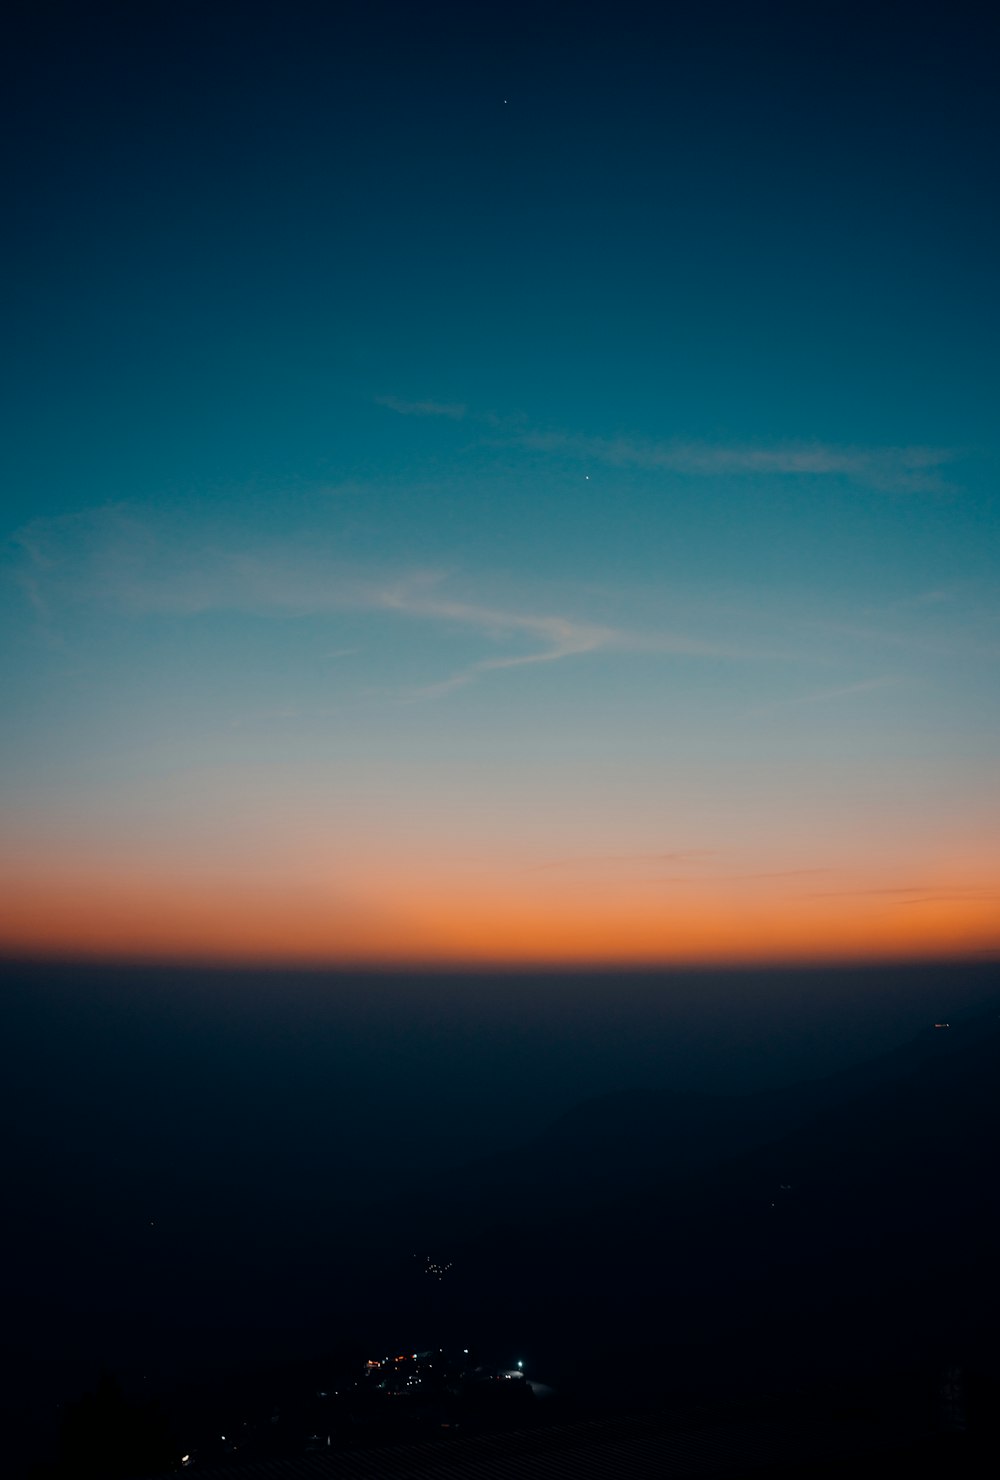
(520, 1364)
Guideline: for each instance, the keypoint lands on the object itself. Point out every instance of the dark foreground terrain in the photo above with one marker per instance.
(676, 1203)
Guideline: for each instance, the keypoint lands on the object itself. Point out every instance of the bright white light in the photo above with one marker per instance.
(520, 1364)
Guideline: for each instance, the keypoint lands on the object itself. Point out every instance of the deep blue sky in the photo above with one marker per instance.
(236, 225)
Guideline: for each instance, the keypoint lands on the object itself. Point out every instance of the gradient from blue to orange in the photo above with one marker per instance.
(500, 486)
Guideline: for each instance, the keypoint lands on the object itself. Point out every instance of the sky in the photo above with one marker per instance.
(490, 484)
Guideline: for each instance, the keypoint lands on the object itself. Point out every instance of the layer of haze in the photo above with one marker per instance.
(482, 488)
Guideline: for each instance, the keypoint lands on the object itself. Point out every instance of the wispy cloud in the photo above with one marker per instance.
(601, 860)
(940, 643)
(906, 469)
(937, 596)
(113, 559)
(557, 636)
(828, 696)
(893, 469)
(914, 894)
(782, 873)
(452, 410)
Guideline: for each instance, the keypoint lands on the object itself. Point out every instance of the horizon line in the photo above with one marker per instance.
(427, 966)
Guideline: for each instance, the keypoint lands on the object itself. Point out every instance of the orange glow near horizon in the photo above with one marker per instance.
(132, 916)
